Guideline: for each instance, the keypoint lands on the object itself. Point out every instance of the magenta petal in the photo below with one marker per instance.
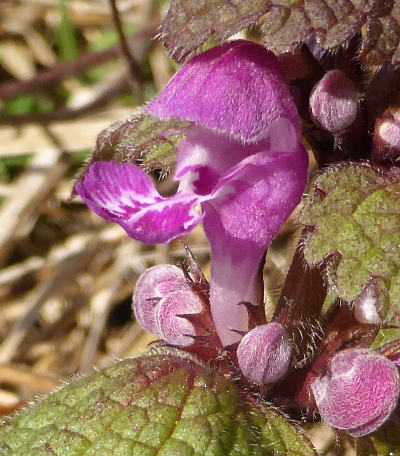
(153, 285)
(169, 219)
(261, 192)
(249, 206)
(359, 392)
(237, 88)
(115, 191)
(204, 156)
(124, 194)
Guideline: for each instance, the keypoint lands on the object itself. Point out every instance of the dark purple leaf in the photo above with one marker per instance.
(287, 23)
(331, 23)
(190, 23)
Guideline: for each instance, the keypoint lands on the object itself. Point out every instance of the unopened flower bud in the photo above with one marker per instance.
(264, 353)
(386, 138)
(172, 316)
(334, 102)
(366, 306)
(153, 285)
(359, 391)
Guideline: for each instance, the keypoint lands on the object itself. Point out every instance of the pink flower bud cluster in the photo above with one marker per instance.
(162, 303)
(166, 306)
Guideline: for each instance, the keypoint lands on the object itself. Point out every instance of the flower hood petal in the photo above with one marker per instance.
(237, 89)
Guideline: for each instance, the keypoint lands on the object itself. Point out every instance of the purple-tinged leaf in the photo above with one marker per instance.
(190, 23)
(355, 212)
(333, 23)
(287, 23)
(166, 403)
(358, 392)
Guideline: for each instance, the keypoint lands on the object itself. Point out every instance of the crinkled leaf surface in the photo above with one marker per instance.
(355, 212)
(284, 23)
(333, 22)
(142, 139)
(159, 405)
(190, 23)
(385, 337)
(384, 442)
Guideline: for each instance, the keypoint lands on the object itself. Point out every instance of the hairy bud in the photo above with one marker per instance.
(334, 102)
(153, 285)
(264, 353)
(172, 316)
(358, 392)
(386, 138)
(366, 306)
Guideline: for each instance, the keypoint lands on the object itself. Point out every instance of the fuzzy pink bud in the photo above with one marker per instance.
(264, 353)
(386, 138)
(359, 391)
(366, 306)
(153, 285)
(172, 316)
(334, 102)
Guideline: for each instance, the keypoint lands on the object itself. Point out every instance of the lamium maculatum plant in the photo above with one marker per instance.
(238, 127)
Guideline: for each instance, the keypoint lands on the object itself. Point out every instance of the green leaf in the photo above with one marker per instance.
(66, 35)
(164, 404)
(23, 104)
(384, 442)
(385, 337)
(142, 139)
(12, 166)
(355, 212)
(190, 23)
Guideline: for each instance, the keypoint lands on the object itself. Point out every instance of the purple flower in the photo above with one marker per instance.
(242, 162)
(359, 391)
